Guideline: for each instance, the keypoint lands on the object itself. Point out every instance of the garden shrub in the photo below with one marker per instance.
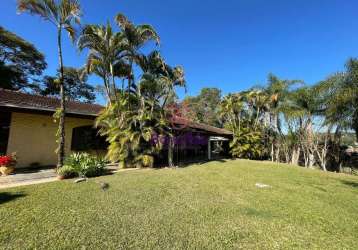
(85, 165)
(67, 172)
(248, 144)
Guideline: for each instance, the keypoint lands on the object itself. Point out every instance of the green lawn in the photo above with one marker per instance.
(212, 206)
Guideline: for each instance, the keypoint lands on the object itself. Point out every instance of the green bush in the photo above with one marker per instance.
(66, 171)
(85, 165)
(248, 144)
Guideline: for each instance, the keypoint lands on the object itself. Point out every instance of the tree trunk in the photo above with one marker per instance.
(324, 165)
(295, 156)
(322, 153)
(305, 157)
(340, 167)
(355, 124)
(61, 126)
(130, 79)
(170, 152)
(277, 153)
(266, 119)
(311, 158)
(108, 92)
(114, 89)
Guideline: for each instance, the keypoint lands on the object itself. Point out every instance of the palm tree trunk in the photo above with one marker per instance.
(170, 151)
(61, 126)
(108, 92)
(277, 154)
(257, 117)
(311, 158)
(130, 78)
(114, 88)
(295, 155)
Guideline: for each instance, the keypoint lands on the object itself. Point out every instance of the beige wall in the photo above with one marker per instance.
(32, 137)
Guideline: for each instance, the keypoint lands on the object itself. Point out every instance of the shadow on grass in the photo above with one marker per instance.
(7, 197)
(107, 172)
(189, 162)
(350, 183)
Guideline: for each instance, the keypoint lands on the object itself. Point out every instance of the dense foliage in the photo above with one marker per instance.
(129, 129)
(204, 107)
(75, 85)
(20, 62)
(82, 165)
(288, 121)
(136, 110)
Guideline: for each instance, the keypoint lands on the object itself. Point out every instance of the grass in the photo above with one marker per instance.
(210, 206)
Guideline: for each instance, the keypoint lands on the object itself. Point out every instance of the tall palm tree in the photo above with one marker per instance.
(341, 97)
(231, 109)
(259, 103)
(157, 86)
(304, 105)
(136, 37)
(167, 77)
(277, 90)
(63, 14)
(106, 57)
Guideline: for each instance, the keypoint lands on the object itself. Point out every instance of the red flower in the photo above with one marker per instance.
(6, 160)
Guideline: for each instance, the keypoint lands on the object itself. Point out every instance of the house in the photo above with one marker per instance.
(27, 127)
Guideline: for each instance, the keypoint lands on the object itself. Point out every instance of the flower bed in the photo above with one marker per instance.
(7, 164)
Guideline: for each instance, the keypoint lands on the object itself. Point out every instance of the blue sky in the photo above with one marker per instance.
(229, 44)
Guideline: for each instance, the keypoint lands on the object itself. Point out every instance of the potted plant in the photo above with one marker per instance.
(7, 164)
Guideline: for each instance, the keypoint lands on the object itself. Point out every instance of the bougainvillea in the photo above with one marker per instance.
(6, 160)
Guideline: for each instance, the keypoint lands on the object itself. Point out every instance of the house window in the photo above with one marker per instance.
(86, 138)
(5, 120)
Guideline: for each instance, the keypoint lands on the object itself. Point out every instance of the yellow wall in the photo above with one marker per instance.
(32, 137)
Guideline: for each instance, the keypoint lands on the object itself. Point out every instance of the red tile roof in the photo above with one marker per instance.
(20, 100)
(182, 123)
(16, 99)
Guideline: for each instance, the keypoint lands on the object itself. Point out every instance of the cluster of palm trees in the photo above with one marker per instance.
(288, 121)
(139, 113)
(136, 106)
(284, 121)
